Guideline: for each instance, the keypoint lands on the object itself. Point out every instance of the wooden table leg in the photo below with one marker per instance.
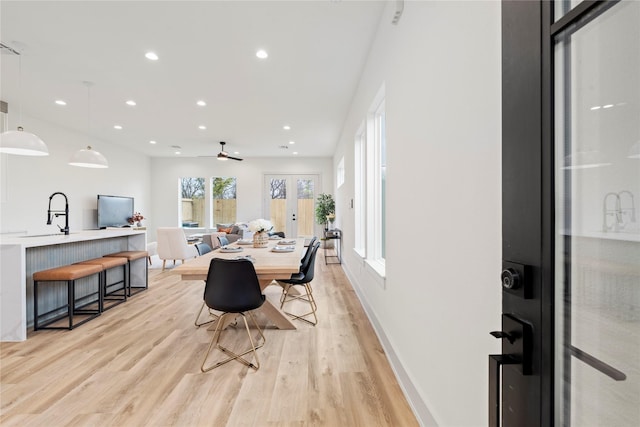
(279, 318)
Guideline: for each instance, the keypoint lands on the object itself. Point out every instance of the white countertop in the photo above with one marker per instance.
(30, 241)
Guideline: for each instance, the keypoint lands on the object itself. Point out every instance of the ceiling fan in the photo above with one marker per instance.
(223, 155)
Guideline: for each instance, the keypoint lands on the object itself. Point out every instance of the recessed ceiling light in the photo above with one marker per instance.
(291, 142)
(201, 103)
(151, 55)
(152, 142)
(202, 127)
(131, 102)
(117, 127)
(607, 106)
(60, 102)
(294, 153)
(177, 152)
(236, 152)
(286, 127)
(597, 107)
(262, 54)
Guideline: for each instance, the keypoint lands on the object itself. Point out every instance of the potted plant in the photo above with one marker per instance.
(325, 209)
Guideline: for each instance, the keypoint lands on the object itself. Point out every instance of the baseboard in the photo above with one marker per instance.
(419, 407)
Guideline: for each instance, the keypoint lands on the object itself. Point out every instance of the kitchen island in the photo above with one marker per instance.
(22, 255)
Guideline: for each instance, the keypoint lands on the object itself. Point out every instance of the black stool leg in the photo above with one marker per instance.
(71, 294)
(35, 305)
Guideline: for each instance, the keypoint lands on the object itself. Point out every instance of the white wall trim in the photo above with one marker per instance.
(418, 405)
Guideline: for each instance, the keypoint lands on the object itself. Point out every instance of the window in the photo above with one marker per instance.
(340, 173)
(381, 179)
(376, 154)
(223, 195)
(359, 203)
(191, 210)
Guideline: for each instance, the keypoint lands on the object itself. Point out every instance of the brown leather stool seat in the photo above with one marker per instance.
(134, 256)
(118, 295)
(69, 274)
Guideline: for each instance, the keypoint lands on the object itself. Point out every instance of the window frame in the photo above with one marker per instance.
(375, 185)
(360, 192)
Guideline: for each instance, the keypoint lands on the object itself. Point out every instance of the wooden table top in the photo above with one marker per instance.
(269, 265)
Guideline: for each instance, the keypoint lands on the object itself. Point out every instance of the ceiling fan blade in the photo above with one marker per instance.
(234, 158)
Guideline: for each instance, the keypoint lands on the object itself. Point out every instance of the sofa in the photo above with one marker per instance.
(211, 239)
(233, 232)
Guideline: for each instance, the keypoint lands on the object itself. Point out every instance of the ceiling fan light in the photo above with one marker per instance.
(222, 157)
(88, 158)
(22, 143)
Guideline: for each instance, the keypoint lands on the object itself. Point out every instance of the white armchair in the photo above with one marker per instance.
(172, 244)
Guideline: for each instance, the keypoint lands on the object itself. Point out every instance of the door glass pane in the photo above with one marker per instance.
(278, 203)
(561, 7)
(597, 129)
(192, 202)
(306, 206)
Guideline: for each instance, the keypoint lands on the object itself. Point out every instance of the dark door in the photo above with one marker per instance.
(571, 236)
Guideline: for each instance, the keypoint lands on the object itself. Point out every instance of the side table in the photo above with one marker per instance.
(333, 234)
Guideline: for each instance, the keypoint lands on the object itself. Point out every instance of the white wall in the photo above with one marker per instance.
(27, 182)
(441, 296)
(166, 173)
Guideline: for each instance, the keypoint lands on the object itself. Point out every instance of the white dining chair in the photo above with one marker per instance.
(172, 244)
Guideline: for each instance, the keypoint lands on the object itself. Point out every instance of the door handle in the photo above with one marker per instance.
(517, 346)
(495, 362)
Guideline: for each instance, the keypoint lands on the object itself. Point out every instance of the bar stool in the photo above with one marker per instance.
(133, 256)
(107, 263)
(69, 274)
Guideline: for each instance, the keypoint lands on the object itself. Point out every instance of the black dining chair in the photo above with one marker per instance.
(307, 255)
(232, 287)
(303, 278)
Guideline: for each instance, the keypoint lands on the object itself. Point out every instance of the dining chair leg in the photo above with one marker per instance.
(307, 297)
(215, 317)
(232, 355)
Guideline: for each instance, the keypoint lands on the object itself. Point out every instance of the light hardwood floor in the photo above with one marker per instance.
(139, 365)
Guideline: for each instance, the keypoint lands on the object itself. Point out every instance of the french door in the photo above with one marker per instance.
(290, 203)
(571, 231)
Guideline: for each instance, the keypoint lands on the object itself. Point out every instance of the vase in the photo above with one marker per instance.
(260, 240)
(139, 224)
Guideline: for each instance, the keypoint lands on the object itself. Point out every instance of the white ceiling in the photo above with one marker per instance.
(207, 51)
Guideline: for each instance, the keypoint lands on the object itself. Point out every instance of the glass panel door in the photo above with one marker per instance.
(290, 203)
(597, 254)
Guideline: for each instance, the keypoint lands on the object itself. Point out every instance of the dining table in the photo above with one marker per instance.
(272, 263)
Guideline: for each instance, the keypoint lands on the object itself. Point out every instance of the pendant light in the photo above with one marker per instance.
(634, 151)
(88, 157)
(19, 141)
(585, 160)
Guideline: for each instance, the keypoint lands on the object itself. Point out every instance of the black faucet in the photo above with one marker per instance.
(64, 213)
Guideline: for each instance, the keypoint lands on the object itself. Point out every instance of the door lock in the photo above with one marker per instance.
(516, 279)
(510, 279)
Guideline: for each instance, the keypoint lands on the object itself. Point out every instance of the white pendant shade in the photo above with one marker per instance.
(88, 158)
(22, 143)
(585, 160)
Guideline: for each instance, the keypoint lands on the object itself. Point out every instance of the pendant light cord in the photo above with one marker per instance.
(19, 90)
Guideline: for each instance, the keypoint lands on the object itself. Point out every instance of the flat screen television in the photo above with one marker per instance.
(114, 211)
